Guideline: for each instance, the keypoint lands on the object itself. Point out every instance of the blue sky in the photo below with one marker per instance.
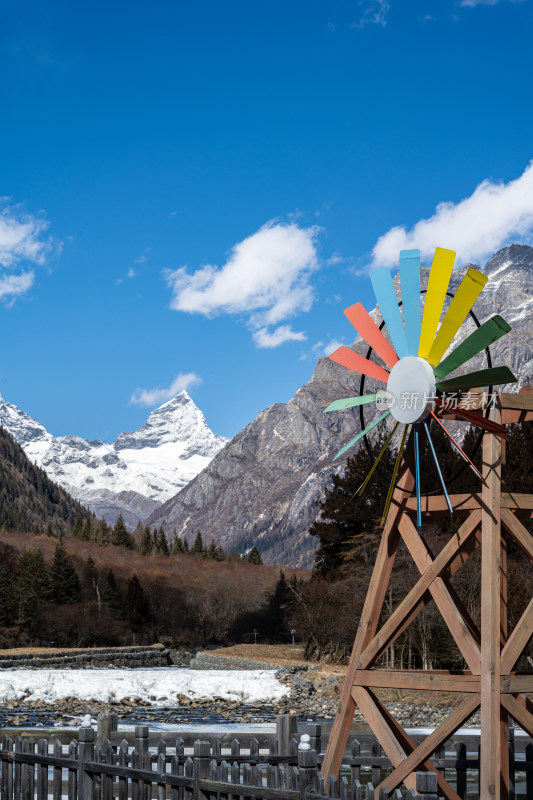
(193, 191)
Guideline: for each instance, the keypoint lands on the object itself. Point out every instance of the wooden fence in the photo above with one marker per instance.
(142, 765)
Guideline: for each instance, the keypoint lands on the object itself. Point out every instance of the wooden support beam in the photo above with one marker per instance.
(520, 534)
(431, 743)
(467, 643)
(409, 745)
(518, 712)
(418, 597)
(490, 784)
(369, 620)
(462, 503)
(518, 683)
(517, 641)
(423, 680)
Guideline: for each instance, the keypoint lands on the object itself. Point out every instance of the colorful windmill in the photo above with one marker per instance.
(415, 370)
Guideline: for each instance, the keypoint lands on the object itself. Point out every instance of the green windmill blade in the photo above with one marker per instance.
(488, 333)
(350, 402)
(484, 377)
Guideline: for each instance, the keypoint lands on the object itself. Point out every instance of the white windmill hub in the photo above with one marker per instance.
(411, 389)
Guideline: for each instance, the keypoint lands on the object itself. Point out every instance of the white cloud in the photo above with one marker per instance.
(475, 227)
(374, 13)
(131, 273)
(320, 349)
(266, 277)
(158, 395)
(21, 241)
(11, 286)
(474, 3)
(284, 333)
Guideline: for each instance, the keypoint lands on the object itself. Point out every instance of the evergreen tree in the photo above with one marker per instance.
(348, 528)
(185, 544)
(64, 581)
(111, 595)
(162, 544)
(146, 542)
(8, 597)
(121, 536)
(177, 546)
(198, 545)
(138, 534)
(254, 556)
(212, 551)
(78, 526)
(137, 605)
(32, 582)
(86, 533)
(279, 606)
(102, 535)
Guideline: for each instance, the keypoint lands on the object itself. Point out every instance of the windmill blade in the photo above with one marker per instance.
(394, 475)
(488, 333)
(360, 435)
(410, 286)
(475, 419)
(358, 363)
(365, 326)
(438, 467)
(417, 479)
(457, 446)
(483, 377)
(439, 278)
(388, 305)
(463, 300)
(376, 462)
(350, 402)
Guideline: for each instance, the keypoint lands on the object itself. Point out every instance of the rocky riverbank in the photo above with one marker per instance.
(313, 695)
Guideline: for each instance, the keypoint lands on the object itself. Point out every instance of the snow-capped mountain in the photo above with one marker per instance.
(133, 475)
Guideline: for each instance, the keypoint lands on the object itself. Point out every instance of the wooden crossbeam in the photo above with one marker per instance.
(520, 534)
(431, 743)
(519, 712)
(467, 640)
(397, 740)
(517, 641)
(419, 595)
(462, 503)
(423, 680)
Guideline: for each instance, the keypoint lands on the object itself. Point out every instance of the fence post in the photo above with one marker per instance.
(315, 736)
(107, 723)
(427, 785)
(286, 728)
(202, 763)
(307, 767)
(85, 754)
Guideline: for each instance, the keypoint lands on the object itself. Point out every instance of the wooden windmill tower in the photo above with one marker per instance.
(487, 518)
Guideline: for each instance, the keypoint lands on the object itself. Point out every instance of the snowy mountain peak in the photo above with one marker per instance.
(178, 420)
(139, 470)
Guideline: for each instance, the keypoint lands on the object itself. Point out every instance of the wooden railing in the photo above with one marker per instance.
(141, 765)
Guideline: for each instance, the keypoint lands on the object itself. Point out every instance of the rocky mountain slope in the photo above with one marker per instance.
(133, 475)
(262, 486)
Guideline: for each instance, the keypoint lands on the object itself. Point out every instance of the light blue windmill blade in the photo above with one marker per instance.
(438, 467)
(350, 402)
(390, 311)
(410, 285)
(360, 435)
(417, 471)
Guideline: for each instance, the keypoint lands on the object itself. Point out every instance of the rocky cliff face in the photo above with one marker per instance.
(262, 486)
(133, 475)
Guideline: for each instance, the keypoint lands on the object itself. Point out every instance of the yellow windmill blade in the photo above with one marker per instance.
(459, 308)
(439, 278)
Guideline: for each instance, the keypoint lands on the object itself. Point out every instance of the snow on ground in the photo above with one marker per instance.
(156, 686)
